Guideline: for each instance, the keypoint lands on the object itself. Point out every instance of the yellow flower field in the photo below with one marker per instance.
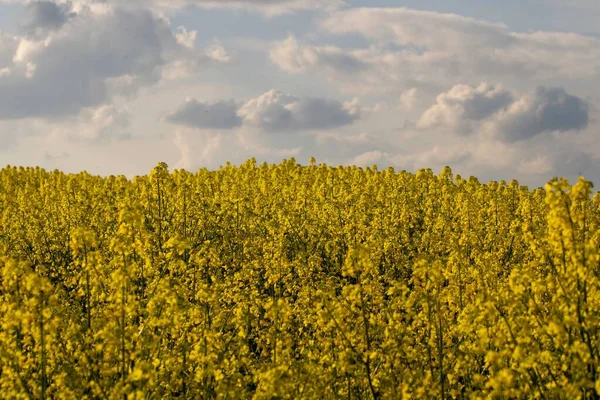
(296, 282)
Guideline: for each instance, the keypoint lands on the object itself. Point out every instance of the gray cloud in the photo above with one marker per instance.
(79, 65)
(545, 110)
(274, 111)
(494, 111)
(45, 15)
(319, 113)
(195, 114)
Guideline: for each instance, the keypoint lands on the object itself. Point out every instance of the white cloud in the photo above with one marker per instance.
(85, 61)
(186, 38)
(532, 163)
(535, 166)
(408, 99)
(296, 58)
(185, 160)
(435, 157)
(27, 49)
(492, 111)
(369, 158)
(463, 105)
(258, 122)
(200, 149)
(362, 148)
(217, 52)
(95, 125)
(267, 7)
(406, 52)
(252, 146)
(210, 149)
(192, 61)
(71, 70)
(274, 111)
(555, 156)
(492, 155)
(293, 57)
(409, 27)
(352, 107)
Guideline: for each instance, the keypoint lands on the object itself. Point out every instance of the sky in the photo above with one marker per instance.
(499, 90)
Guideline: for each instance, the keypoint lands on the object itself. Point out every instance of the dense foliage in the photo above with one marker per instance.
(290, 281)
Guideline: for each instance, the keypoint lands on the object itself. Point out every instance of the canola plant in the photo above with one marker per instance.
(296, 282)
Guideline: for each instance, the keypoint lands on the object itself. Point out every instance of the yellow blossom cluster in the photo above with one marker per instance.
(297, 282)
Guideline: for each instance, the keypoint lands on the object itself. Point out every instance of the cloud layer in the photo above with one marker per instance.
(508, 117)
(273, 111)
(91, 78)
(405, 52)
(544, 110)
(96, 125)
(267, 7)
(463, 105)
(81, 60)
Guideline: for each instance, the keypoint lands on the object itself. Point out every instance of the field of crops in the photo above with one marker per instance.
(292, 282)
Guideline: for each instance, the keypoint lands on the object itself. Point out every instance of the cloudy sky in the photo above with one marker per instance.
(495, 89)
